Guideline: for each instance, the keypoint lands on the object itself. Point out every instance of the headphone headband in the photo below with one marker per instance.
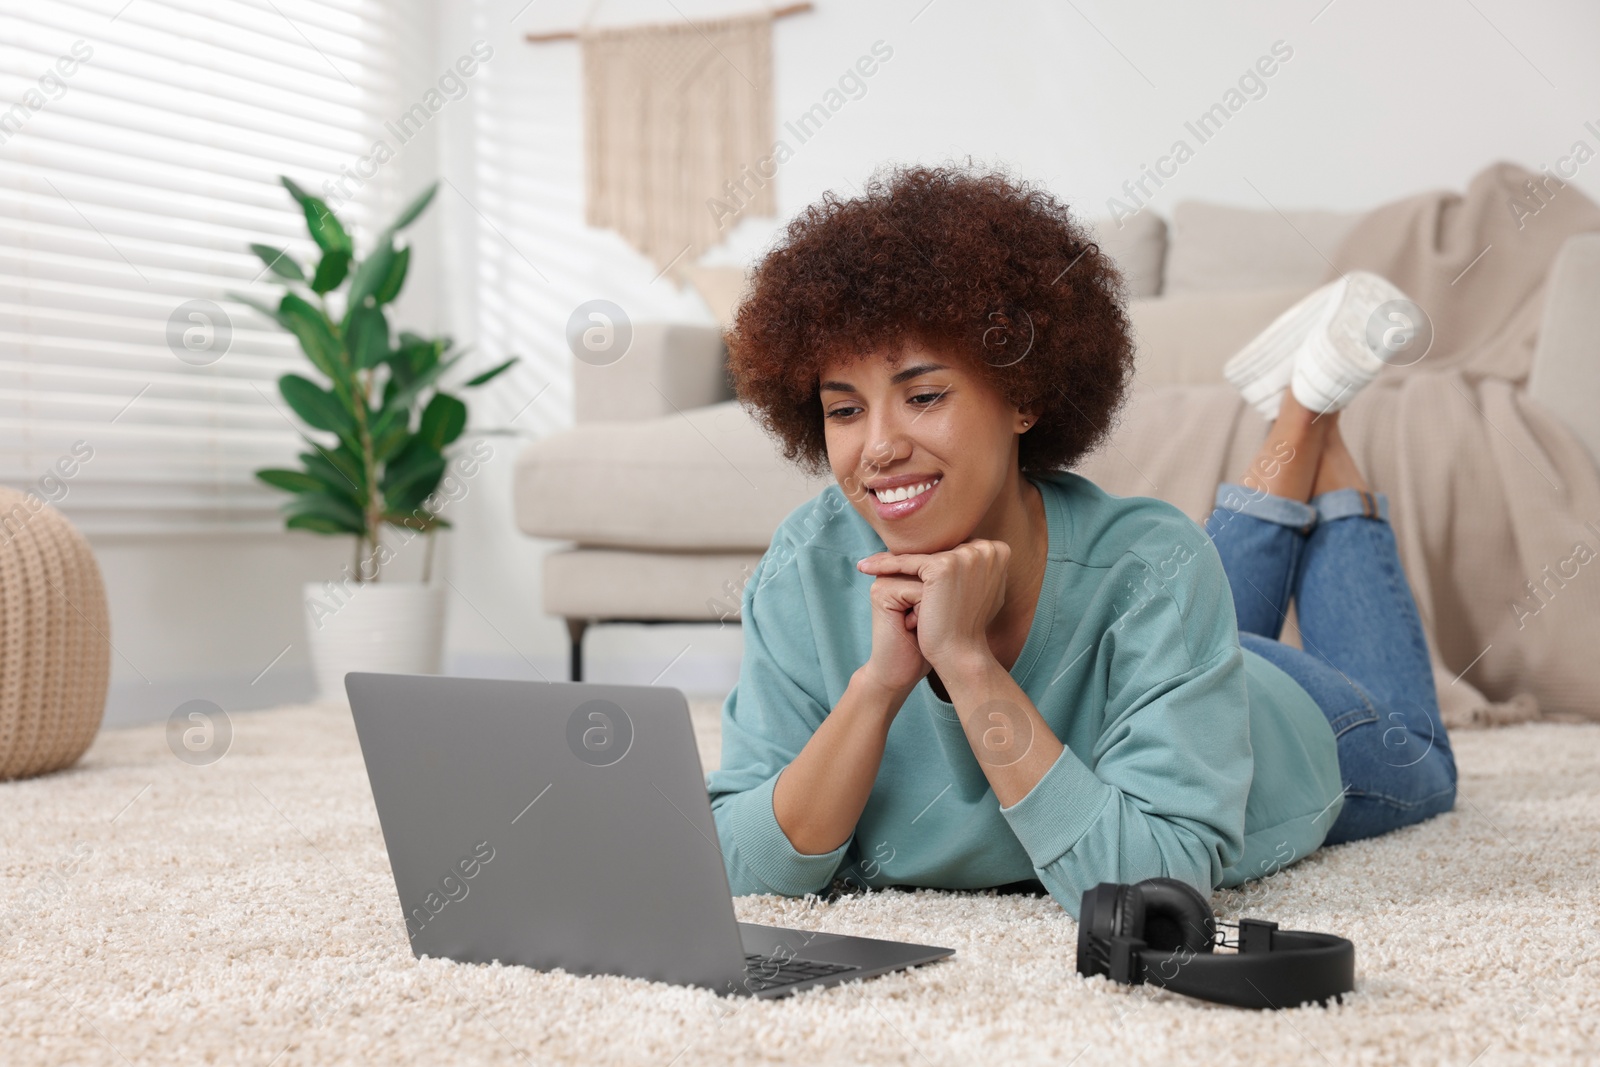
(1273, 969)
(1293, 967)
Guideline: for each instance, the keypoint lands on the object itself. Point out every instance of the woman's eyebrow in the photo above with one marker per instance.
(902, 376)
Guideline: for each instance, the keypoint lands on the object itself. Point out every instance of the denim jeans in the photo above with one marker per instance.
(1365, 660)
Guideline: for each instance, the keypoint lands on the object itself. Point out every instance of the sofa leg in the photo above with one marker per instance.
(575, 628)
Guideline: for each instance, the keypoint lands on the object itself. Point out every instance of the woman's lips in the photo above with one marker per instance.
(901, 508)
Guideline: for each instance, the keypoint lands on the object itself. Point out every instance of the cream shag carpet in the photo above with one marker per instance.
(155, 912)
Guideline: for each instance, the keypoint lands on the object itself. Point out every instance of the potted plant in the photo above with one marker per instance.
(385, 422)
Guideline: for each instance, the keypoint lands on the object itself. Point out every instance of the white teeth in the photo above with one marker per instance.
(905, 492)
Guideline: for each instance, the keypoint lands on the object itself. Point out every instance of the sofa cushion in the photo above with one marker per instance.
(1138, 244)
(610, 583)
(1185, 339)
(1213, 246)
(707, 478)
(666, 367)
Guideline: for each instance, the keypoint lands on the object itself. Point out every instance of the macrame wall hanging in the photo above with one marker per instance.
(676, 118)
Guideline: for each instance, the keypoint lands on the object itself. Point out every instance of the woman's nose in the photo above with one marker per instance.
(886, 441)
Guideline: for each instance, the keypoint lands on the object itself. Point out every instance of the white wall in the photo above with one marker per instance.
(1377, 101)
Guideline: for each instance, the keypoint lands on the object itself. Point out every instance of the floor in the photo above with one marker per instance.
(160, 911)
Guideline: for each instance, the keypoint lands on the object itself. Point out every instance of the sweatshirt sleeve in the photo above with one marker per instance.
(774, 708)
(1163, 791)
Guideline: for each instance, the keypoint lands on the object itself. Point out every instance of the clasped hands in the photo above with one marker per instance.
(933, 610)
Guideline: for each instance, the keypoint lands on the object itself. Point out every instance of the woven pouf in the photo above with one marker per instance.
(55, 651)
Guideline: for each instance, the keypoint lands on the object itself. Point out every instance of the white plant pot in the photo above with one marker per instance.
(390, 627)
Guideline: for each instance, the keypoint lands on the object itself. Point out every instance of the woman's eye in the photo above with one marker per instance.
(921, 400)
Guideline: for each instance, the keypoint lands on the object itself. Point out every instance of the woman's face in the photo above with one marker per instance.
(928, 434)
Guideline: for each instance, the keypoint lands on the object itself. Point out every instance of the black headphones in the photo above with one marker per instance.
(1162, 931)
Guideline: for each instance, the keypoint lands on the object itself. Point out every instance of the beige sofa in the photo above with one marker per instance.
(670, 492)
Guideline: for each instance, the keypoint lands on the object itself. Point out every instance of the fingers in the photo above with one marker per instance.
(893, 563)
(896, 594)
(975, 551)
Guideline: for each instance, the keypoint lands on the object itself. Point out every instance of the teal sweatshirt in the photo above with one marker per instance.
(1185, 755)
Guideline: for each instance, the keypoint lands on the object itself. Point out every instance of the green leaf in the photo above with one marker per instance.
(338, 469)
(414, 493)
(325, 227)
(443, 420)
(416, 519)
(367, 338)
(317, 524)
(294, 190)
(331, 270)
(370, 273)
(413, 209)
(331, 480)
(320, 220)
(280, 262)
(395, 278)
(493, 372)
(407, 394)
(331, 508)
(315, 335)
(390, 440)
(293, 481)
(412, 367)
(391, 389)
(417, 463)
(415, 355)
(388, 420)
(319, 408)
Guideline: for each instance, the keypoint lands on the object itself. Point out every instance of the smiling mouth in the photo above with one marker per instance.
(905, 492)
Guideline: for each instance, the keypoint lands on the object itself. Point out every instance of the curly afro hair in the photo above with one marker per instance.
(966, 263)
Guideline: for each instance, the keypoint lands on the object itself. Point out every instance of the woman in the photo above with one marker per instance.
(966, 666)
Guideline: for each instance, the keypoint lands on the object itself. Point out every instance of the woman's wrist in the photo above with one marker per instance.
(963, 666)
(878, 695)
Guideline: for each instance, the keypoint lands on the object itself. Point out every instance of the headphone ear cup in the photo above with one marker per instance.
(1096, 917)
(1130, 912)
(1173, 915)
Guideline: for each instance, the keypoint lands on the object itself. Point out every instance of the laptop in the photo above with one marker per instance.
(567, 825)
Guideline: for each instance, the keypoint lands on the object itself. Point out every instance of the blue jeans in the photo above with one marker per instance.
(1365, 660)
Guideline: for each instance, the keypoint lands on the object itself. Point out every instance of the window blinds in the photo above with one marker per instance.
(140, 148)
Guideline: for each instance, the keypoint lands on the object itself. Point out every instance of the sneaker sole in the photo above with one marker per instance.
(1338, 362)
(1261, 370)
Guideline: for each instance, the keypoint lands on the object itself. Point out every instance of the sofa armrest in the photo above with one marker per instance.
(1565, 376)
(668, 367)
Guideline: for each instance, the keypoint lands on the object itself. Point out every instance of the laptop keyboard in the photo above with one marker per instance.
(768, 972)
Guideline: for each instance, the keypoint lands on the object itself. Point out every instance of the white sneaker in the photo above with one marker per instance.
(1337, 359)
(1262, 369)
